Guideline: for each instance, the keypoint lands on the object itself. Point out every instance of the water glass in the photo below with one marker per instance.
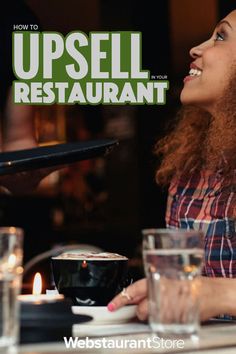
(11, 270)
(173, 262)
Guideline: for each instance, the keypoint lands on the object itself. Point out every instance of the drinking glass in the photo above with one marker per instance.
(11, 270)
(173, 262)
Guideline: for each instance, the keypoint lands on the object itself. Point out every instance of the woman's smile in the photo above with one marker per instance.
(194, 72)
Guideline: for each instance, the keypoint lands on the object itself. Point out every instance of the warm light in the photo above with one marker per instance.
(84, 264)
(12, 261)
(37, 297)
(37, 284)
(12, 230)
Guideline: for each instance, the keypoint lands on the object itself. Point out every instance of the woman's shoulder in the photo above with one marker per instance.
(200, 180)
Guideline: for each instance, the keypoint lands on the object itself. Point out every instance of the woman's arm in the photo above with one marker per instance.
(217, 297)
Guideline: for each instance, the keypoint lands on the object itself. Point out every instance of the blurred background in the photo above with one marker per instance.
(106, 201)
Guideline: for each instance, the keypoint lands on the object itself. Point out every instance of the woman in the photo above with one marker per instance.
(199, 163)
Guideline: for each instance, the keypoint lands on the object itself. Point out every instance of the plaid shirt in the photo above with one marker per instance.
(202, 203)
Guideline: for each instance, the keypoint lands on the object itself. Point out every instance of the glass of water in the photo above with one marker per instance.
(173, 261)
(11, 270)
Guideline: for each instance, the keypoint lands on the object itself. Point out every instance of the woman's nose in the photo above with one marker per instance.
(197, 51)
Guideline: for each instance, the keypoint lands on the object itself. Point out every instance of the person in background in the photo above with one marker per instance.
(17, 130)
(199, 165)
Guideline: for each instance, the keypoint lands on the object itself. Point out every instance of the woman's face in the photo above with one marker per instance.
(214, 63)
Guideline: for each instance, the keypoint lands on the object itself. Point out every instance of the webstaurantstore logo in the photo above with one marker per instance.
(153, 342)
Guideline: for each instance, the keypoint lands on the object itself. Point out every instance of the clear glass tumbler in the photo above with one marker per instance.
(173, 262)
(11, 254)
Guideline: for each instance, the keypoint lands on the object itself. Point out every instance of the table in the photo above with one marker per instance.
(213, 339)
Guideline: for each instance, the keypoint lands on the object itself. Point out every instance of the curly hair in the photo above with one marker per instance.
(199, 141)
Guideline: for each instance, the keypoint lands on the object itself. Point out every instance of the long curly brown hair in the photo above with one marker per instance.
(200, 141)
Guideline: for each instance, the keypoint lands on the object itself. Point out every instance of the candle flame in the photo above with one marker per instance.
(37, 284)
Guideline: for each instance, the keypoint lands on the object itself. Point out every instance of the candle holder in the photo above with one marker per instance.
(43, 321)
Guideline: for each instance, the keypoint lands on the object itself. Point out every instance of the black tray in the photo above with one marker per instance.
(48, 322)
(53, 155)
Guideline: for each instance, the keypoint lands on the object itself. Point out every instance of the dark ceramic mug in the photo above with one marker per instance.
(90, 279)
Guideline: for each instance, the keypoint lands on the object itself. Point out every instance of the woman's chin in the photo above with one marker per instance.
(192, 100)
(187, 99)
(184, 98)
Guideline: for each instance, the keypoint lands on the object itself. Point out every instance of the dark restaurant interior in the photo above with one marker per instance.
(106, 201)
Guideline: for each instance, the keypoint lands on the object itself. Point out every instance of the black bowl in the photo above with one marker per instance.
(90, 281)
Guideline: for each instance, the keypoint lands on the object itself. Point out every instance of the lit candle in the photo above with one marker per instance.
(37, 297)
(44, 317)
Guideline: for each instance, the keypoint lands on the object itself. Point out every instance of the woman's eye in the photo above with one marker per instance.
(219, 36)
